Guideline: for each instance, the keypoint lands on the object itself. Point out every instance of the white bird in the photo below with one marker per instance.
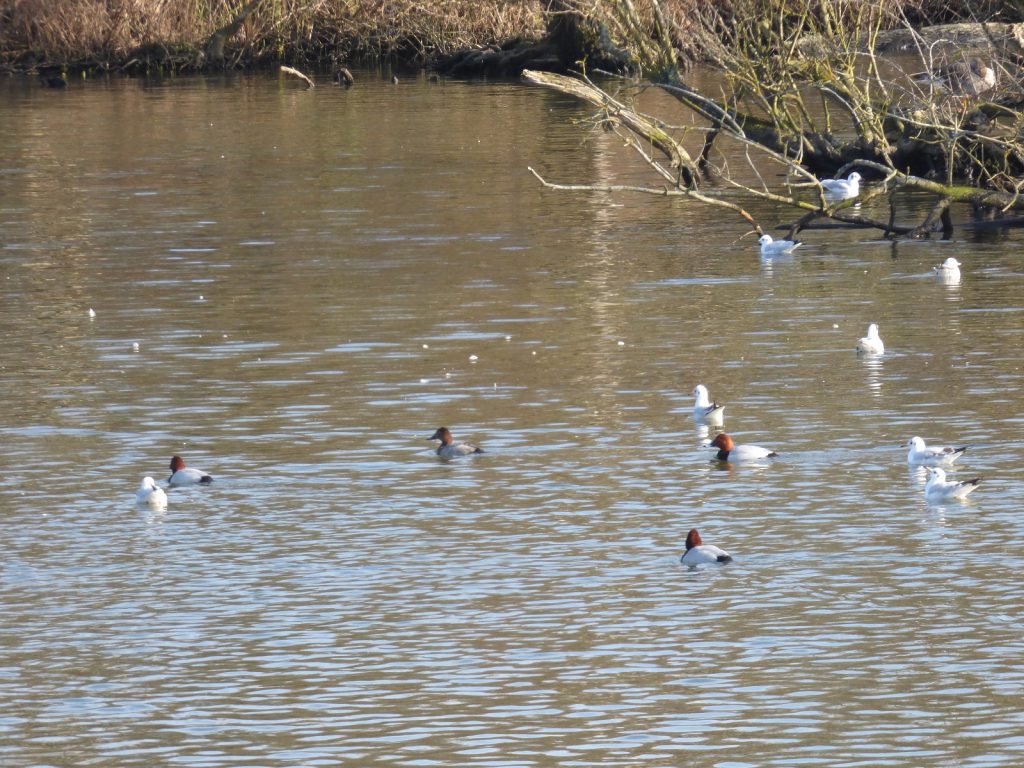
(182, 476)
(706, 410)
(872, 343)
(938, 488)
(449, 449)
(936, 456)
(698, 553)
(771, 247)
(842, 189)
(729, 451)
(151, 494)
(948, 272)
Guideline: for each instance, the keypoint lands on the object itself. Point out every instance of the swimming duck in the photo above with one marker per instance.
(770, 247)
(182, 476)
(842, 189)
(449, 449)
(729, 451)
(706, 410)
(938, 488)
(699, 553)
(872, 343)
(936, 456)
(151, 494)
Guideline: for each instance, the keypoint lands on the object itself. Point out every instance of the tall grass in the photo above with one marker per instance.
(113, 33)
(118, 33)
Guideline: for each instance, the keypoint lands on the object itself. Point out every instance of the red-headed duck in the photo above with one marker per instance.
(180, 475)
(449, 449)
(938, 488)
(872, 343)
(151, 494)
(935, 456)
(729, 451)
(698, 553)
(706, 410)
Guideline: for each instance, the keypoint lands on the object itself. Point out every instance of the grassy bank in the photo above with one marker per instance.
(147, 35)
(176, 34)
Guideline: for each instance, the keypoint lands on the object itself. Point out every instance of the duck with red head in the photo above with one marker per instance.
(699, 553)
(182, 475)
(729, 451)
(449, 449)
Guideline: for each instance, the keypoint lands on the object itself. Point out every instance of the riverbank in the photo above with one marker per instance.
(149, 36)
(487, 38)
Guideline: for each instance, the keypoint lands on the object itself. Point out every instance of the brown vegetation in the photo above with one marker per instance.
(149, 34)
(140, 35)
(808, 94)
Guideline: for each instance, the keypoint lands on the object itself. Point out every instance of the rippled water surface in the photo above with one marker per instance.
(316, 280)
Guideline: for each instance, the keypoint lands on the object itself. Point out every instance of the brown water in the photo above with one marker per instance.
(307, 275)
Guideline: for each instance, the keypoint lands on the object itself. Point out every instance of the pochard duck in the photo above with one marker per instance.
(872, 343)
(705, 409)
(182, 475)
(935, 456)
(699, 553)
(151, 494)
(938, 488)
(729, 451)
(449, 449)
(770, 247)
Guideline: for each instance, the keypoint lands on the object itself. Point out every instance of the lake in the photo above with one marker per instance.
(294, 288)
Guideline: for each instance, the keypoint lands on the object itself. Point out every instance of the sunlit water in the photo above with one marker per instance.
(308, 276)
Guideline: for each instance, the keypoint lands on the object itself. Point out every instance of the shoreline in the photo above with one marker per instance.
(43, 38)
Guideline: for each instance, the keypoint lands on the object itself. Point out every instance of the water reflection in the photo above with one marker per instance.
(874, 366)
(340, 595)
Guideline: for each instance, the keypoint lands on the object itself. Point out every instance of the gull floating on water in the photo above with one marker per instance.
(938, 488)
(151, 494)
(698, 553)
(180, 475)
(842, 189)
(970, 77)
(770, 247)
(948, 271)
(872, 343)
(729, 451)
(706, 410)
(936, 456)
(449, 449)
